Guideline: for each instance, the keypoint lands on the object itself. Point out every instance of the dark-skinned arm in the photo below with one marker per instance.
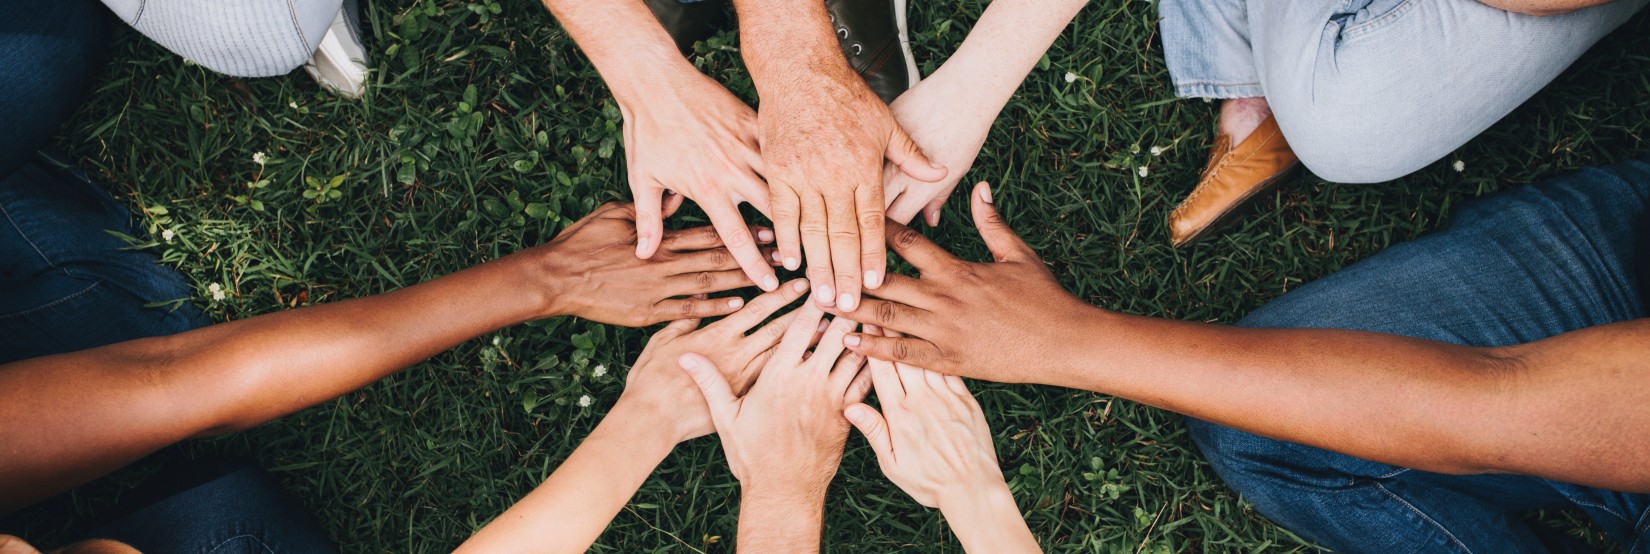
(70, 418)
(1392, 399)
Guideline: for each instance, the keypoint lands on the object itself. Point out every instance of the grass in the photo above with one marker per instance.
(485, 130)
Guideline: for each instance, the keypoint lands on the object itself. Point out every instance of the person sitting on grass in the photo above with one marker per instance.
(833, 158)
(1418, 400)
(58, 432)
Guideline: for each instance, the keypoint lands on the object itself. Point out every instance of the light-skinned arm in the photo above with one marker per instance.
(932, 441)
(570, 509)
(824, 138)
(784, 436)
(683, 131)
(949, 113)
(69, 418)
(1403, 401)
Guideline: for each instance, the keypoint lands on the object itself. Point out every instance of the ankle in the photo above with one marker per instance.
(1241, 116)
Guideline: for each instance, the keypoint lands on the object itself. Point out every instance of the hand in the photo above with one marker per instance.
(978, 320)
(931, 438)
(698, 140)
(784, 436)
(824, 137)
(588, 271)
(657, 383)
(947, 128)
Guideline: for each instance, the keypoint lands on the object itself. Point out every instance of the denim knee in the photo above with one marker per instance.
(1344, 142)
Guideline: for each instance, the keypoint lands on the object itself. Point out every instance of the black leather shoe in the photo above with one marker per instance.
(872, 35)
(690, 22)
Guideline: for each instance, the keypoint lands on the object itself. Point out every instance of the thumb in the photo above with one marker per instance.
(903, 152)
(875, 428)
(1004, 245)
(718, 395)
(650, 225)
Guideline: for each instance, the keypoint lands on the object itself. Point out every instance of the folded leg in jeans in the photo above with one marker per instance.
(1512, 268)
(69, 284)
(1372, 90)
(215, 505)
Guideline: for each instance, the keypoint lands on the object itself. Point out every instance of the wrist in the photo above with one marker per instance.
(962, 497)
(645, 86)
(545, 288)
(638, 423)
(1079, 366)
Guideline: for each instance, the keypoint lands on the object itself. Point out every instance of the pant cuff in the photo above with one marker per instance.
(1211, 90)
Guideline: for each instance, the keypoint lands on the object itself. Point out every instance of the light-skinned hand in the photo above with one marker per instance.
(698, 140)
(657, 383)
(943, 125)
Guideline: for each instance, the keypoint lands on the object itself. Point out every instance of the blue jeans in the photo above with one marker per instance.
(1511, 268)
(1372, 90)
(215, 506)
(67, 283)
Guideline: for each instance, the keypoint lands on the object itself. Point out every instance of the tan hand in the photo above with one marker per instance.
(823, 146)
(590, 271)
(705, 151)
(657, 381)
(975, 320)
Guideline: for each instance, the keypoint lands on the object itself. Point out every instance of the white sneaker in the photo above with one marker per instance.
(340, 63)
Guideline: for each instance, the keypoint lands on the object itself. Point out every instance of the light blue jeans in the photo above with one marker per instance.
(244, 38)
(1372, 90)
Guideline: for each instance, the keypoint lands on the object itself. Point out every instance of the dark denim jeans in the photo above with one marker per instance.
(1511, 268)
(66, 283)
(215, 506)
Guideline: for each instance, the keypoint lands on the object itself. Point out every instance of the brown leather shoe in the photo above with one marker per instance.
(1233, 178)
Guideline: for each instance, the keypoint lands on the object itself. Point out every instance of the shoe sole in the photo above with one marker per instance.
(1225, 218)
(905, 45)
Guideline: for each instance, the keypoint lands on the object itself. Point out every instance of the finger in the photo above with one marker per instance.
(706, 238)
(787, 215)
(713, 385)
(816, 246)
(859, 388)
(695, 308)
(649, 220)
(741, 242)
(886, 382)
(843, 234)
(752, 190)
(932, 213)
(909, 350)
(935, 380)
(917, 249)
(874, 427)
(830, 345)
(908, 291)
(890, 316)
(902, 209)
(903, 152)
(957, 386)
(873, 261)
(847, 369)
(676, 329)
(915, 380)
(673, 202)
(1005, 246)
(799, 334)
(706, 282)
(763, 306)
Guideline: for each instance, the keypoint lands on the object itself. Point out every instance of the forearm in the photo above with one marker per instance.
(774, 520)
(1001, 50)
(786, 43)
(627, 45)
(1398, 400)
(987, 520)
(571, 508)
(70, 418)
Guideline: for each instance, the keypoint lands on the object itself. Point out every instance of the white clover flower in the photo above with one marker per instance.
(1143, 171)
(259, 158)
(1071, 77)
(293, 104)
(495, 340)
(217, 292)
(1157, 151)
(167, 235)
(585, 401)
(1459, 166)
(599, 371)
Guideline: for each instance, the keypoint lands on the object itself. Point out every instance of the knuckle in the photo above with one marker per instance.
(887, 312)
(812, 228)
(871, 221)
(995, 220)
(902, 349)
(844, 234)
(720, 257)
(689, 307)
(738, 239)
(704, 280)
(906, 236)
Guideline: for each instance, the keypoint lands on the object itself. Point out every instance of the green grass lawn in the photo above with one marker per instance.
(485, 131)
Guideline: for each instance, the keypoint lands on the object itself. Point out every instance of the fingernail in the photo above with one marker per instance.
(847, 302)
(792, 264)
(873, 279)
(735, 302)
(985, 194)
(822, 325)
(774, 255)
(764, 235)
(827, 295)
(851, 340)
(769, 283)
(800, 286)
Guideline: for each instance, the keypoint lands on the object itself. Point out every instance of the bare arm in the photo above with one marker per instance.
(69, 418)
(1392, 399)
(1543, 7)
